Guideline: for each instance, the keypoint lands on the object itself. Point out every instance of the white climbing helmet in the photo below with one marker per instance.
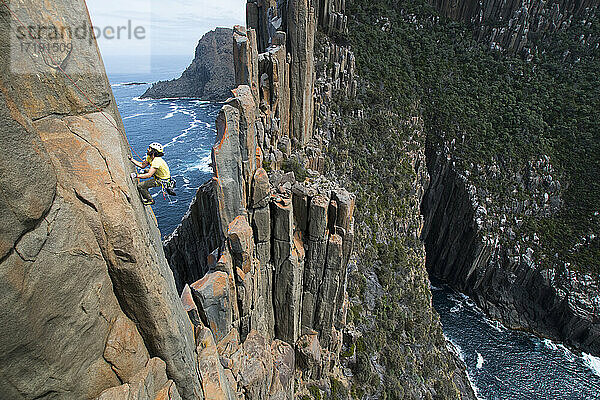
(156, 147)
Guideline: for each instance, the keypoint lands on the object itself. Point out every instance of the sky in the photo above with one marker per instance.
(160, 27)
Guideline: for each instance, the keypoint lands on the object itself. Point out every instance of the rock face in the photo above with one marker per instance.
(80, 259)
(512, 25)
(209, 76)
(503, 278)
(471, 237)
(261, 258)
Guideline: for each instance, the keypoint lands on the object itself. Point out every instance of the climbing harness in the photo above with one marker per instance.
(167, 187)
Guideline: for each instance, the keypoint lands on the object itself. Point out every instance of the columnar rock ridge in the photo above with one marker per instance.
(261, 256)
(208, 77)
(514, 24)
(473, 246)
(471, 236)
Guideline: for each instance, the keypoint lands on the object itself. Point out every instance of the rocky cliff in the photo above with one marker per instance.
(516, 230)
(466, 247)
(209, 76)
(518, 25)
(89, 302)
(261, 257)
(264, 252)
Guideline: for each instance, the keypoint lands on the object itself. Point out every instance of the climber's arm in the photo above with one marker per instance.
(148, 174)
(139, 164)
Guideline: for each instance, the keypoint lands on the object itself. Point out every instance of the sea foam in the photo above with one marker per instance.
(592, 363)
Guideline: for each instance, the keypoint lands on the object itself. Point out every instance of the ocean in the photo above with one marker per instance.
(185, 127)
(502, 364)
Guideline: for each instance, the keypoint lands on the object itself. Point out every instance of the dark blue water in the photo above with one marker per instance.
(505, 364)
(502, 364)
(186, 128)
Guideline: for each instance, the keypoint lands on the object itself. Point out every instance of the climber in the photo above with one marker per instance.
(158, 175)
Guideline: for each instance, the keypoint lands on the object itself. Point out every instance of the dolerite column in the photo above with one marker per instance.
(241, 244)
(244, 101)
(301, 37)
(328, 290)
(227, 167)
(316, 242)
(344, 226)
(288, 260)
(281, 83)
(261, 225)
(245, 59)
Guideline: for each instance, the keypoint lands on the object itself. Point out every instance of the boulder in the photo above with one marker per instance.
(282, 386)
(150, 383)
(190, 306)
(241, 243)
(168, 392)
(256, 370)
(214, 299)
(308, 354)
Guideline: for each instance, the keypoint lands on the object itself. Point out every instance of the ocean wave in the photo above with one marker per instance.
(559, 347)
(174, 110)
(202, 166)
(550, 344)
(496, 325)
(134, 116)
(174, 140)
(139, 99)
(456, 308)
(592, 363)
(455, 348)
(193, 124)
(479, 361)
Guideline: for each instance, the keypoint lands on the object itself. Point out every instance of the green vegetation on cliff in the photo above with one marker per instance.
(496, 109)
(424, 76)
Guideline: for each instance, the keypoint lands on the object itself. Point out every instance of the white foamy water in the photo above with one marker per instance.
(479, 361)
(134, 116)
(456, 308)
(174, 110)
(592, 363)
(140, 99)
(203, 165)
(508, 364)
